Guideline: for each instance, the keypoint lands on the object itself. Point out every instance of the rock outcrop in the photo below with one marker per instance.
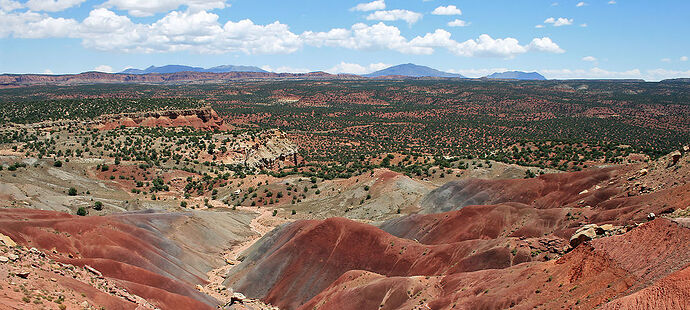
(202, 118)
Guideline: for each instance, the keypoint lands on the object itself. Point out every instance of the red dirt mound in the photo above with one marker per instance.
(293, 264)
(130, 248)
(528, 220)
(672, 292)
(587, 277)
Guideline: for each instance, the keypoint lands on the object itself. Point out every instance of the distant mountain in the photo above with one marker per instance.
(413, 70)
(179, 68)
(516, 75)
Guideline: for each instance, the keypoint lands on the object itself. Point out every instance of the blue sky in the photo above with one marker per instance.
(560, 39)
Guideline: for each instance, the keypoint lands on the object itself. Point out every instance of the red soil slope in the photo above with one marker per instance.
(132, 248)
(589, 276)
(457, 255)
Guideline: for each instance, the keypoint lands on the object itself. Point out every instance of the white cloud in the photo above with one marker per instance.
(545, 44)
(683, 58)
(485, 45)
(583, 25)
(369, 6)
(447, 10)
(561, 21)
(392, 15)
(598, 73)
(589, 58)
(662, 74)
(35, 25)
(52, 5)
(141, 8)
(47, 71)
(104, 68)
(666, 59)
(458, 23)
(353, 68)
(9, 5)
(593, 73)
(286, 69)
(202, 32)
(364, 37)
(539, 26)
(612, 2)
(580, 4)
(477, 73)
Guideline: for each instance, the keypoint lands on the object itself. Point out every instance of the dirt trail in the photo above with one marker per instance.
(263, 223)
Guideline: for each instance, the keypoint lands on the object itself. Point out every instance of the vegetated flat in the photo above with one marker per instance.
(564, 125)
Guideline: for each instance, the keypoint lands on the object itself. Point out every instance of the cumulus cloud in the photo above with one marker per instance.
(140, 8)
(353, 68)
(545, 44)
(683, 58)
(661, 74)
(561, 21)
(612, 2)
(52, 5)
(202, 32)
(485, 45)
(364, 37)
(286, 69)
(447, 10)
(104, 68)
(458, 23)
(370, 6)
(599, 73)
(589, 58)
(35, 25)
(408, 16)
(9, 5)
(477, 73)
(593, 73)
(581, 4)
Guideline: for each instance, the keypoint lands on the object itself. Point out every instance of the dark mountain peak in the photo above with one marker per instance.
(516, 75)
(182, 68)
(412, 70)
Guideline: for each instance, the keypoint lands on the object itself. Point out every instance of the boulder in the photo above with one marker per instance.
(23, 274)
(675, 157)
(584, 233)
(237, 298)
(4, 259)
(7, 241)
(93, 270)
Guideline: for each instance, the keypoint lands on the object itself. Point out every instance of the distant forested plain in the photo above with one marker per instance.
(565, 125)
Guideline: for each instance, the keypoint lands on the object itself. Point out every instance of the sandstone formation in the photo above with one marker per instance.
(202, 118)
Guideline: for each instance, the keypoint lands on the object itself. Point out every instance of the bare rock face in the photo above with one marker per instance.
(585, 233)
(592, 231)
(7, 241)
(202, 118)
